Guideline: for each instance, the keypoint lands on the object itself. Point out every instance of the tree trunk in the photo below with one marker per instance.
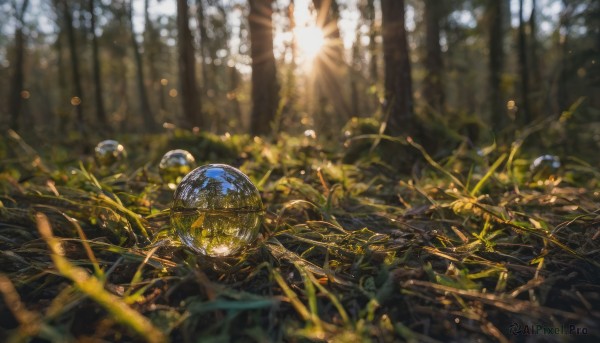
(78, 89)
(62, 82)
(434, 90)
(398, 83)
(292, 27)
(496, 61)
(202, 27)
(565, 27)
(151, 49)
(328, 66)
(534, 63)
(100, 112)
(147, 114)
(18, 76)
(354, 73)
(190, 100)
(234, 84)
(290, 76)
(265, 89)
(373, 65)
(523, 69)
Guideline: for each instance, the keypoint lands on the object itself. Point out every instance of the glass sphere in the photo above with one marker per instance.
(109, 152)
(174, 165)
(544, 167)
(216, 210)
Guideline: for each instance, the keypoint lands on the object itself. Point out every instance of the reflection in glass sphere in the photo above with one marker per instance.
(544, 167)
(174, 165)
(216, 210)
(109, 152)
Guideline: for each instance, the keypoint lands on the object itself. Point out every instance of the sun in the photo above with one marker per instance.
(310, 41)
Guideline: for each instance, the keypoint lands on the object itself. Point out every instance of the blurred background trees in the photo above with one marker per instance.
(457, 68)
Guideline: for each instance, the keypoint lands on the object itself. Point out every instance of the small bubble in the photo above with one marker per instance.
(545, 167)
(109, 152)
(174, 165)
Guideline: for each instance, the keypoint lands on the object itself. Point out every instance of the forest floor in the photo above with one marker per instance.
(469, 247)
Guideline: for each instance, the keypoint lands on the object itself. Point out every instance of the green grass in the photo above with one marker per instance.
(462, 249)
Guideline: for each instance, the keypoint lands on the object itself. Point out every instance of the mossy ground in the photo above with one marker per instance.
(464, 248)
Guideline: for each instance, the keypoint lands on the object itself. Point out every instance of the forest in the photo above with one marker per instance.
(299, 170)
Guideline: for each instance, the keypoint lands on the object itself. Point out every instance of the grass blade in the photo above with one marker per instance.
(93, 288)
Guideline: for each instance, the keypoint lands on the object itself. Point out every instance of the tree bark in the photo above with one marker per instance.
(434, 90)
(398, 83)
(62, 82)
(265, 89)
(234, 83)
(202, 27)
(147, 114)
(18, 76)
(534, 63)
(100, 112)
(190, 100)
(496, 63)
(565, 27)
(523, 68)
(373, 65)
(151, 50)
(354, 71)
(76, 76)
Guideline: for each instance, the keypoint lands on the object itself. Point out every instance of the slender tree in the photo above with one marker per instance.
(190, 100)
(18, 76)
(265, 88)
(433, 86)
(354, 72)
(147, 114)
(398, 83)
(564, 31)
(329, 66)
(367, 10)
(373, 65)
(152, 48)
(100, 112)
(234, 84)
(523, 68)
(202, 27)
(534, 62)
(61, 72)
(77, 98)
(291, 92)
(496, 62)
